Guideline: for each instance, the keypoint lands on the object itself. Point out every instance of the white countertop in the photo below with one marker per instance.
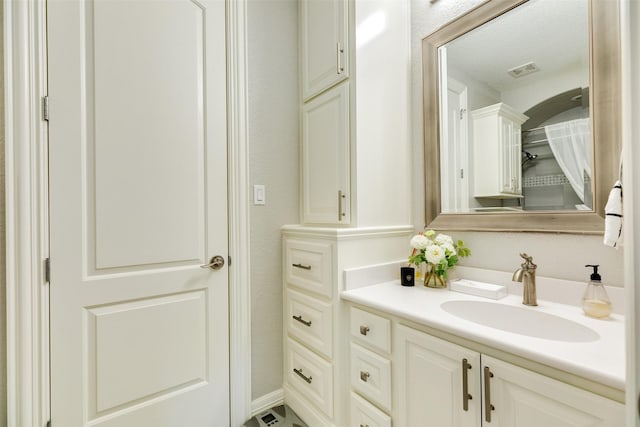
(601, 361)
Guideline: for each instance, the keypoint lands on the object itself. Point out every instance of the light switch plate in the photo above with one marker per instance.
(259, 194)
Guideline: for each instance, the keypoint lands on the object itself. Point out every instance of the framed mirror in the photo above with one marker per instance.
(522, 112)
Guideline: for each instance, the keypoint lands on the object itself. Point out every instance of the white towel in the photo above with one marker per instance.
(613, 217)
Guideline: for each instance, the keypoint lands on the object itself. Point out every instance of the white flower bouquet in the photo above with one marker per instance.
(439, 253)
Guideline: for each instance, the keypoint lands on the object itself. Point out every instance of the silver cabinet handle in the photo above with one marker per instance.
(364, 376)
(215, 263)
(302, 266)
(339, 52)
(301, 320)
(364, 330)
(303, 376)
(488, 407)
(466, 397)
(341, 197)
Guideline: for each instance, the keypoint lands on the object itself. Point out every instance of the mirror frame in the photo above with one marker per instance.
(605, 111)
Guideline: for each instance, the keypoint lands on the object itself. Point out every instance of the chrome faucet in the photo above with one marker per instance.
(527, 275)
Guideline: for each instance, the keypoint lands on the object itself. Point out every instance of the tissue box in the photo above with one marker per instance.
(480, 289)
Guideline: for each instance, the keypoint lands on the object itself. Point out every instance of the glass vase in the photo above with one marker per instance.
(433, 280)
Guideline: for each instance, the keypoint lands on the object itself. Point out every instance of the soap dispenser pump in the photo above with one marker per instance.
(595, 302)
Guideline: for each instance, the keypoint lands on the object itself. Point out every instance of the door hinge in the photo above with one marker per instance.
(47, 270)
(229, 260)
(45, 108)
(462, 111)
(48, 423)
(461, 173)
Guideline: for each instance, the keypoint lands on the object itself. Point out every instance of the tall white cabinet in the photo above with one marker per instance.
(496, 129)
(355, 161)
(355, 148)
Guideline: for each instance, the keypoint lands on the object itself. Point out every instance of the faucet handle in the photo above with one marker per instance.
(526, 257)
(528, 262)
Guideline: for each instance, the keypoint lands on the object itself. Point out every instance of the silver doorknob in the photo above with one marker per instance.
(215, 263)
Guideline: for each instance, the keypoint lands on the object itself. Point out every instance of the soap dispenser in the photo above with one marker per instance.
(595, 302)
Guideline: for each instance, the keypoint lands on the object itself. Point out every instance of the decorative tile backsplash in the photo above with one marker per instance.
(544, 181)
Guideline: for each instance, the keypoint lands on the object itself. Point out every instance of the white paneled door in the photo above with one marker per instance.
(138, 202)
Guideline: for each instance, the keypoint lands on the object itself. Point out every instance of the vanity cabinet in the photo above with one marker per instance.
(324, 45)
(355, 145)
(497, 152)
(447, 385)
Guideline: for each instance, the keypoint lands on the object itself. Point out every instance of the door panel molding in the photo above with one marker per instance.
(27, 217)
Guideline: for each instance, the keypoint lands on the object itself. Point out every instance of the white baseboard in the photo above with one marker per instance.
(267, 401)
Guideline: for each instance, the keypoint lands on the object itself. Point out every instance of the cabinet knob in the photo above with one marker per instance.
(364, 376)
(364, 330)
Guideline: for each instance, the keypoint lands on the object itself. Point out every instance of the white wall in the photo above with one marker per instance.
(273, 145)
(561, 256)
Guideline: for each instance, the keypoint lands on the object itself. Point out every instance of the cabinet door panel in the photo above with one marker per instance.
(522, 398)
(324, 44)
(325, 158)
(429, 381)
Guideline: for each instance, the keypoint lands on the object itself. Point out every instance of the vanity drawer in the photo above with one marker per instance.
(310, 320)
(371, 328)
(308, 266)
(310, 375)
(371, 375)
(364, 413)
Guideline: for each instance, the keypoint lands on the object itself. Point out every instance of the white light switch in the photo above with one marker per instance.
(259, 195)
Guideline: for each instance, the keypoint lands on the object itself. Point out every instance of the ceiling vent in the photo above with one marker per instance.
(523, 70)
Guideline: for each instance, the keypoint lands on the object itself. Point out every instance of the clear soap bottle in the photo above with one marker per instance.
(596, 302)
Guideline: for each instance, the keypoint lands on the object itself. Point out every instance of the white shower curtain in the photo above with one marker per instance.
(571, 145)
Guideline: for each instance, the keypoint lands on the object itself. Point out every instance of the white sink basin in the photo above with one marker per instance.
(519, 320)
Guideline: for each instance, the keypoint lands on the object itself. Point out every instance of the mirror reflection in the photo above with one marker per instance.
(515, 131)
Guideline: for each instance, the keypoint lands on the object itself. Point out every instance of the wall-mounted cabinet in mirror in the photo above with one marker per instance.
(521, 110)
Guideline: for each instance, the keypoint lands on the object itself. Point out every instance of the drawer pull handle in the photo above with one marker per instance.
(364, 330)
(302, 266)
(364, 425)
(298, 372)
(364, 376)
(301, 320)
(488, 407)
(466, 397)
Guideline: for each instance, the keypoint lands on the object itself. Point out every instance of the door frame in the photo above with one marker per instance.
(27, 246)
(630, 42)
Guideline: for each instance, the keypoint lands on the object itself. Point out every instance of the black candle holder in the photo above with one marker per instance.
(407, 276)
